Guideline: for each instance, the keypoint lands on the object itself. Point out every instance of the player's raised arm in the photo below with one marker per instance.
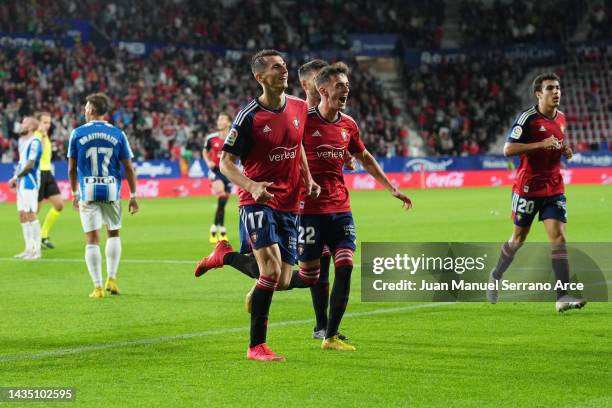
(130, 176)
(232, 172)
(370, 164)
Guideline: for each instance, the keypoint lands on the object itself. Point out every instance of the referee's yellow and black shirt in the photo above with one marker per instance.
(45, 159)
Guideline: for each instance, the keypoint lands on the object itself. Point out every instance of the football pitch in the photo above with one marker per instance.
(172, 340)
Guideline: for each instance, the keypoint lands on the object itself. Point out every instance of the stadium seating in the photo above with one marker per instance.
(587, 88)
(496, 24)
(168, 101)
(459, 108)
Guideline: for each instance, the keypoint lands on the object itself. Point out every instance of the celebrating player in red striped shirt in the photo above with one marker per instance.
(328, 136)
(267, 137)
(537, 136)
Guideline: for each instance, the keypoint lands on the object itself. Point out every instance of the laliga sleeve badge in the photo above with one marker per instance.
(517, 131)
(230, 140)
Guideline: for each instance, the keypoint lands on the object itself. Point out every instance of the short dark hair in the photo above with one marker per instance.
(100, 102)
(227, 115)
(258, 62)
(311, 66)
(329, 71)
(547, 76)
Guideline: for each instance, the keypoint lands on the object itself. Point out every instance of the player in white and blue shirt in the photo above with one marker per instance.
(27, 182)
(99, 148)
(96, 152)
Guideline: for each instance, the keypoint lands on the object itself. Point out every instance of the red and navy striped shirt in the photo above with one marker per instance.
(326, 144)
(269, 144)
(539, 172)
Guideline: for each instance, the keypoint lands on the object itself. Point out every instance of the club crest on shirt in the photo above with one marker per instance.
(296, 123)
(344, 134)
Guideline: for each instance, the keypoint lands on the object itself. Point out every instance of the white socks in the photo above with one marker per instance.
(25, 228)
(35, 236)
(113, 255)
(31, 236)
(93, 259)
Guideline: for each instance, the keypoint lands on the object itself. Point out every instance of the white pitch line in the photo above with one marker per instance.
(82, 260)
(186, 336)
(134, 261)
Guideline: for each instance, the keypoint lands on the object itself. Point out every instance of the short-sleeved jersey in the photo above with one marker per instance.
(45, 159)
(326, 144)
(539, 172)
(213, 145)
(30, 150)
(99, 148)
(269, 146)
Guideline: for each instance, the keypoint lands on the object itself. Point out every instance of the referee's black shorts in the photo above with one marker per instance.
(48, 185)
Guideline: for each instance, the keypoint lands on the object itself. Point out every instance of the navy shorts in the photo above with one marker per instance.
(262, 226)
(215, 174)
(335, 230)
(524, 209)
(48, 185)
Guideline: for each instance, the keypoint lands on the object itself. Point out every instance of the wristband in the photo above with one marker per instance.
(75, 194)
(132, 195)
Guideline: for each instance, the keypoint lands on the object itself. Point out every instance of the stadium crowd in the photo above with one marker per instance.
(460, 108)
(498, 24)
(166, 103)
(243, 24)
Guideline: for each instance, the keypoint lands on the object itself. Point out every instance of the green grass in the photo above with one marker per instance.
(172, 340)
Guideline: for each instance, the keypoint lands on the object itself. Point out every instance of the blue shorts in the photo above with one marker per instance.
(262, 226)
(524, 209)
(215, 174)
(335, 230)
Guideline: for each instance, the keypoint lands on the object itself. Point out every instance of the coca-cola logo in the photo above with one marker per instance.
(282, 153)
(453, 179)
(366, 182)
(326, 151)
(496, 181)
(150, 188)
(567, 176)
(65, 189)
